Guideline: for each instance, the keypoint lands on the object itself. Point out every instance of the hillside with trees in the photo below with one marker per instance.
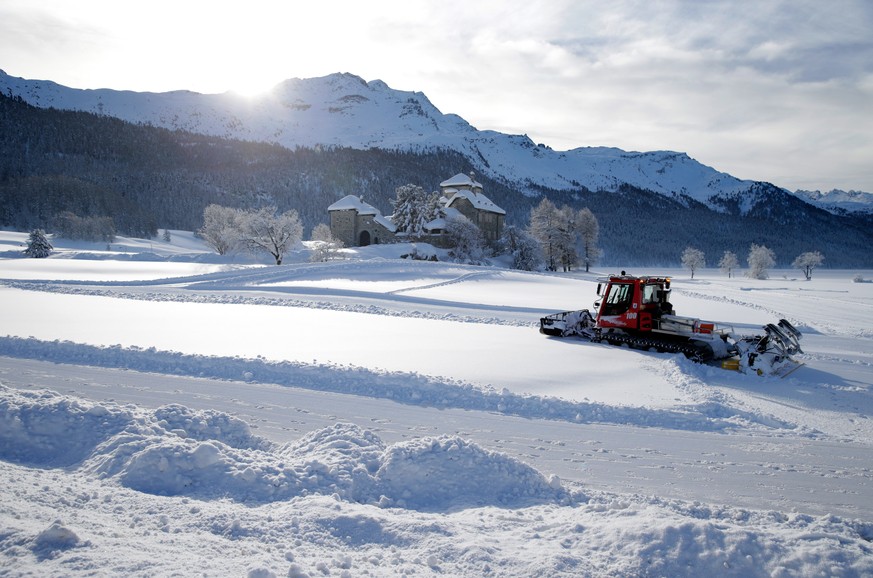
(58, 166)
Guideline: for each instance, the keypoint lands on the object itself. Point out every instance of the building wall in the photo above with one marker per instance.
(347, 226)
(467, 209)
(343, 227)
(491, 224)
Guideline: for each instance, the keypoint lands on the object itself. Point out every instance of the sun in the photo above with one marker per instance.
(253, 85)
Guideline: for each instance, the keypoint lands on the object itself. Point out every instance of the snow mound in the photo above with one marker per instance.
(177, 451)
(56, 538)
(439, 473)
(209, 425)
(47, 429)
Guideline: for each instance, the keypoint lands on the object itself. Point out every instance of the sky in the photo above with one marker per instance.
(779, 91)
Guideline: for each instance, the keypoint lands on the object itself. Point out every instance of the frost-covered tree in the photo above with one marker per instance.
(728, 263)
(544, 221)
(321, 232)
(413, 209)
(325, 246)
(589, 230)
(566, 238)
(760, 260)
(523, 248)
(264, 230)
(555, 229)
(693, 259)
(71, 226)
(167, 236)
(808, 261)
(38, 245)
(222, 228)
(466, 240)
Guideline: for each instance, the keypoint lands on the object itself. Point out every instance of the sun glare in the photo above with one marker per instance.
(253, 87)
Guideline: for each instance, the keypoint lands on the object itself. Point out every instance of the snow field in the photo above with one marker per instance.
(190, 483)
(387, 418)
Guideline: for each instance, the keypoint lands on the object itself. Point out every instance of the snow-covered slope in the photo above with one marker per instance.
(345, 110)
(837, 200)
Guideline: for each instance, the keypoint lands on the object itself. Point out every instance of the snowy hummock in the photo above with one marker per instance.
(385, 417)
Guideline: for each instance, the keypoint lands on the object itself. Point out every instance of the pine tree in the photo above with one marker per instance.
(38, 245)
(413, 209)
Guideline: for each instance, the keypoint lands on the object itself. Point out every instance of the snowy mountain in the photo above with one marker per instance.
(839, 201)
(345, 110)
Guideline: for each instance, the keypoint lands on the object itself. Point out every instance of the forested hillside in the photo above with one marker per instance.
(146, 178)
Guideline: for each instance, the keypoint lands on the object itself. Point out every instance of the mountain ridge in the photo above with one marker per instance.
(343, 109)
(59, 162)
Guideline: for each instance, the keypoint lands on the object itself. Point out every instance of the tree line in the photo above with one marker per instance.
(760, 260)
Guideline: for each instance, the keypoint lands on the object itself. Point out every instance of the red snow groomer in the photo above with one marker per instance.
(636, 311)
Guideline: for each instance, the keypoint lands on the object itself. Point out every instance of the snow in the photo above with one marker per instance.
(460, 180)
(851, 201)
(478, 200)
(166, 413)
(345, 110)
(353, 203)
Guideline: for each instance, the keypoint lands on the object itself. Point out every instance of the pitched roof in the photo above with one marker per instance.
(479, 201)
(460, 180)
(353, 203)
(441, 222)
(386, 222)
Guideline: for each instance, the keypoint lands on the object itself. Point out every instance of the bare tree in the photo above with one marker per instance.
(693, 259)
(808, 261)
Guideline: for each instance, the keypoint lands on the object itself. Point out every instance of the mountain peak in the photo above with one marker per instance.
(343, 109)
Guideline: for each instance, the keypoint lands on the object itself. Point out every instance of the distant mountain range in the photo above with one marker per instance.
(152, 161)
(839, 202)
(344, 110)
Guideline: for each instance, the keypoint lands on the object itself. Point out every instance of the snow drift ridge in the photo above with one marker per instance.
(207, 454)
